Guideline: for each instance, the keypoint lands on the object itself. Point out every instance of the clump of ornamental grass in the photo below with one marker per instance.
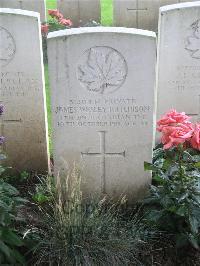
(73, 231)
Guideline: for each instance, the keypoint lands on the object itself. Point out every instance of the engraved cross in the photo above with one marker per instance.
(103, 155)
(20, 4)
(137, 10)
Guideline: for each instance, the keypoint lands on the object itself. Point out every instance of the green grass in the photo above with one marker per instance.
(51, 4)
(48, 100)
(106, 12)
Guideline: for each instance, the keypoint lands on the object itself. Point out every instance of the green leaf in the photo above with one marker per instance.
(182, 211)
(194, 241)
(149, 167)
(159, 162)
(181, 240)
(11, 238)
(197, 165)
(194, 224)
(196, 158)
(5, 249)
(158, 179)
(18, 257)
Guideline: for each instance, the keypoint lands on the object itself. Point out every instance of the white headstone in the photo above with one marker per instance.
(22, 91)
(80, 11)
(178, 70)
(32, 5)
(141, 14)
(102, 83)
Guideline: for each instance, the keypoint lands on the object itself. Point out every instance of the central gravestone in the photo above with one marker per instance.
(103, 106)
(22, 91)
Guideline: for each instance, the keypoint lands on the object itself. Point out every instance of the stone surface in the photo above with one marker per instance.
(22, 91)
(102, 83)
(142, 14)
(178, 80)
(32, 5)
(80, 11)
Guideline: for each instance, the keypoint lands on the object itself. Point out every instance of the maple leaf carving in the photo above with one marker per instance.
(7, 48)
(104, 70)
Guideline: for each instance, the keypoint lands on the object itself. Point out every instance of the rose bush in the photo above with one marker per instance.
(174, 199)
(56, 22)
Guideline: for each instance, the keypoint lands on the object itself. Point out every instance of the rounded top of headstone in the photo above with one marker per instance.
(179, 6)
(19, 12)
(88, 30)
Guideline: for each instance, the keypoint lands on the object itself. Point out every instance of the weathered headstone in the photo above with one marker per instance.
(142, 14)
(32, 5)
(178, 71)
(22, 90)
(103, 106)
(80, 11)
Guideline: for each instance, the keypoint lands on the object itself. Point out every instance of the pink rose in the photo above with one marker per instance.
(172, 118)
(45, 28)
(175, 135)
(65, 22)
(55, 13)
(195, 140)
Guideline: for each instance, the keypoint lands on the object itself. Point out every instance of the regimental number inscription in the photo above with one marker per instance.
(102, 70)
(7, 47)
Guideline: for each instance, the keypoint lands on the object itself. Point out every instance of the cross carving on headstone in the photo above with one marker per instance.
(137, 10)
(103, 155)
(20, 4)
(7, 121)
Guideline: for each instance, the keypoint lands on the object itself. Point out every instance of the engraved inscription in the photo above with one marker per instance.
(192, 43)
(103, 155)
(102, 70)
(18, 84)
(7, 47)
(98, 112)
(2, 125)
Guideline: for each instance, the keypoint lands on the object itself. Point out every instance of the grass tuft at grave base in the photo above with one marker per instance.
(76, 231)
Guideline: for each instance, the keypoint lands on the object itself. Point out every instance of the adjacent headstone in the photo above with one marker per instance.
(102, 83)
(80, 11)
(32, 5)
(22, 91)
(141, 14)
(178, 70)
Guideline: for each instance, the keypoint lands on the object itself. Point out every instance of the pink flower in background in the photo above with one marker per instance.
(65, 22)
(195, 140)
(172, 118)
(175, 135)
(55, 13)
(45, 28)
